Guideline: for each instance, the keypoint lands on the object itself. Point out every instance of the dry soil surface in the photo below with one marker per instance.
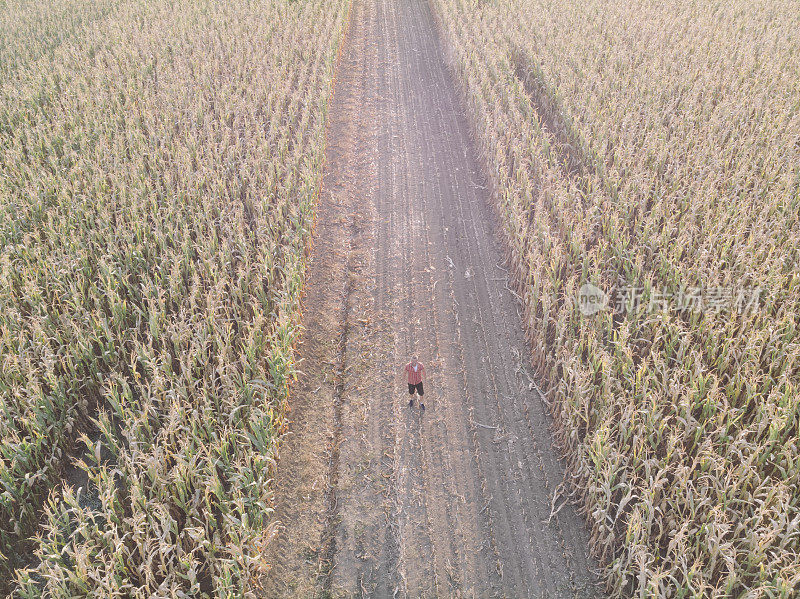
(375, 498)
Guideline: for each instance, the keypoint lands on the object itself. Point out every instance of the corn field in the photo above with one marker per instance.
(655, 146)
(159, 164)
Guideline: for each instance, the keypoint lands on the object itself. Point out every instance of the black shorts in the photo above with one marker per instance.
(417, 388)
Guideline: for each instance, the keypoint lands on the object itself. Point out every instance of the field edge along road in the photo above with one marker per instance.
(375, 499)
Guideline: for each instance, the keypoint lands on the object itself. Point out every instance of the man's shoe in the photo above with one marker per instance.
(422, 406)
(411, 402)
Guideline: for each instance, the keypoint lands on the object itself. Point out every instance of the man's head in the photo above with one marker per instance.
(413, 360)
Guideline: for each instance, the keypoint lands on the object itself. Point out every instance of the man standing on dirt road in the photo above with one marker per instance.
(415, 371)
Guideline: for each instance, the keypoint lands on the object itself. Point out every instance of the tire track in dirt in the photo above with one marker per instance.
(376, 498)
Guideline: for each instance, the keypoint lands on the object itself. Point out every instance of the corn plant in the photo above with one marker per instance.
(654, 146)
(159, 165)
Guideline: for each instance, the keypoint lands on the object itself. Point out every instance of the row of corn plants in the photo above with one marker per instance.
(653, 150)
(158, 173)
(31, 29)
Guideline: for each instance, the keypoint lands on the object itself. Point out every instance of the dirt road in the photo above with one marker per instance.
(375, 499)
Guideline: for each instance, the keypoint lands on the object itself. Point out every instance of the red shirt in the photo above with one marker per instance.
(415, 376)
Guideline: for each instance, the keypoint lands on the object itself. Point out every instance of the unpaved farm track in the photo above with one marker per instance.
(375, 499)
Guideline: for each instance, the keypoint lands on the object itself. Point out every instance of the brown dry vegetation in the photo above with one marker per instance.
(158, 169)
(656, 145)
(159, 165)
